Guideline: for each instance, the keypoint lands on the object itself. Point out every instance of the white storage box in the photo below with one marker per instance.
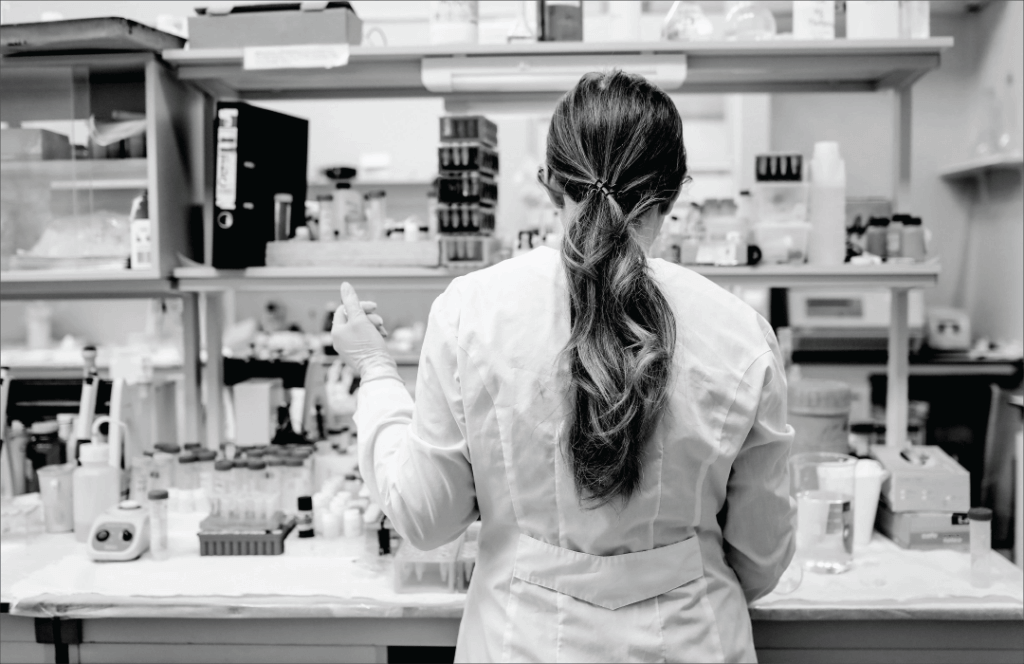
(369, 253)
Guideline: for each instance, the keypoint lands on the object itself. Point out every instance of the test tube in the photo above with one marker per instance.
(142, 464)
(158, 523)
(165, 457)
(239, 477)
(257, 484)
(204, 469)
(981, 546)
(290, 484)
(221, 492)
(275, 476)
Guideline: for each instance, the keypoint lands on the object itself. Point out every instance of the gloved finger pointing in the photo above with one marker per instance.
(351, 301)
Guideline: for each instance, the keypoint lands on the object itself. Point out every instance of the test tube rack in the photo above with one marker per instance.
(224, 537)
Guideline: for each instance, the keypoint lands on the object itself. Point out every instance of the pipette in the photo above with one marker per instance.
(87, 406)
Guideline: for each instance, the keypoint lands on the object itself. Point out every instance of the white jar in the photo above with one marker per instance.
(97, 487)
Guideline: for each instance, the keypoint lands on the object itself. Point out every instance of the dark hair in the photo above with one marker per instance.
(615, 147)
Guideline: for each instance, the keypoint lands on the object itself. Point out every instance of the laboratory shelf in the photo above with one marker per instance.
(79, 169)
(83, 284)
(205, 279)
(976, 167)
(781, 65)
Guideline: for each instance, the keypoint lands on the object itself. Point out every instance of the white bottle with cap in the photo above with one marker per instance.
(827, 212)
(97, 486)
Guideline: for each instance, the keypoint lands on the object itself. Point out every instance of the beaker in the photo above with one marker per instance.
(823, 485)
(56, 492)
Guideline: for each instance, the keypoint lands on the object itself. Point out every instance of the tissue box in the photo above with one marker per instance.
(925, 530)
(278, 24)
(923, 479)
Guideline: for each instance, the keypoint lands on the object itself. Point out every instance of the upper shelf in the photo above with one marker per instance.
(199, 279)
(82, 284)
(976, 167)
(783, 65)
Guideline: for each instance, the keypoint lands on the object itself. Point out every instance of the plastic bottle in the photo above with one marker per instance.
(158, 523)
(827, 209)
(894, 237)
(875, 238)
(981, 546)
(97, 487)
(913, 244)
(353, 522)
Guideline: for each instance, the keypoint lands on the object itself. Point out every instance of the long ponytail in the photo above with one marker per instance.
(615, 147)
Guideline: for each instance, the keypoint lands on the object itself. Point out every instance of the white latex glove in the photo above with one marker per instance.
(358, 337)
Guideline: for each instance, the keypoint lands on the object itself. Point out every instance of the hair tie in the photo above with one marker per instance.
(602, 187)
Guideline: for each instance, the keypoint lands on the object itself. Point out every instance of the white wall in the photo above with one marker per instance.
(995, 272)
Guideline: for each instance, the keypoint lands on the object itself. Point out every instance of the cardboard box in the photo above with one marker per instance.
(33, 145)
(256, 404)
(253, 26)
(925, 530)
(923, 479)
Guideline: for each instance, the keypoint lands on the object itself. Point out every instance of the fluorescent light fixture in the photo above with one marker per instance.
(542, 73)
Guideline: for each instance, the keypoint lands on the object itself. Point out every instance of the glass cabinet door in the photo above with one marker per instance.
(73, 170)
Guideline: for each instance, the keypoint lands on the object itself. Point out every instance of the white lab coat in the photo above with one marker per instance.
(665, 578)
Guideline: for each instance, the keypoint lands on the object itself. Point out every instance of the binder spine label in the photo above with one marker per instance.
(226, 185)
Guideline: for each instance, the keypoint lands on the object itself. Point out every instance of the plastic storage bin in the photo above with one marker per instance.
(782, 242)
(780, 201)
(418, 571)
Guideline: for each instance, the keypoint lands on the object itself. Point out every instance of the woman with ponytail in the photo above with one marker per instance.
(617, 423)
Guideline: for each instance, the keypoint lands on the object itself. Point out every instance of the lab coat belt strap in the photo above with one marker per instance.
(608, 581)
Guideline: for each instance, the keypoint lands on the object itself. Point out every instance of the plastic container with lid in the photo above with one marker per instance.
(97, 487)
(186, 474)
(819, 412)
(981, 546)
(158, 523)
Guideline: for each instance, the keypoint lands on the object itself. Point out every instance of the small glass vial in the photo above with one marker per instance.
(304, 523)
(158, 523)
(981, 546)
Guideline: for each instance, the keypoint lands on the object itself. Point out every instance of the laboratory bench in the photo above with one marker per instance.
(328, 600)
